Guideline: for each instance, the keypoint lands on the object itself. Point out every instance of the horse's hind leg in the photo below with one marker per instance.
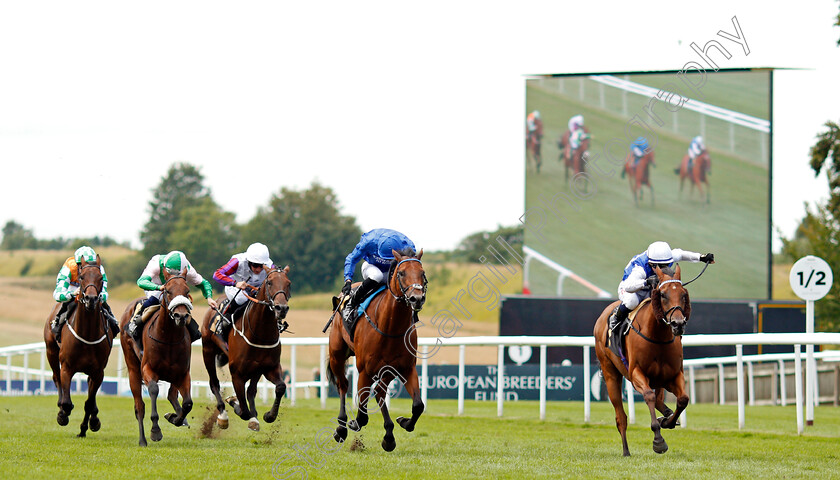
(275, 376)
(341, 384)
(612, 379)
(412, 386)
(91, 410)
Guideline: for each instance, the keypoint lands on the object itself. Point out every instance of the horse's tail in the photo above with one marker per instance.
(221, 360)
(331, 375)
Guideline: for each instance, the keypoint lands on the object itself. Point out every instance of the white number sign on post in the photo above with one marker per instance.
(810, 279)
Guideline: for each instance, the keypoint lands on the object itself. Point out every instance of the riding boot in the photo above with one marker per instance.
(60, 319)
(135, 326)
(112, 320)
(618, 317)
(358, 297)
(195, 332)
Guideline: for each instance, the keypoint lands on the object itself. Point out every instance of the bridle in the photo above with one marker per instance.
(404, 290)
(169, 299)
(667, 317)
(276, 309)
(83, 297)
(270, 303)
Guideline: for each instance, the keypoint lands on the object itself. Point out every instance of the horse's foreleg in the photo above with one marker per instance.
(708, 193)
(65, 405)
(652, 198)
(276, 377)
(364, 392)
(179, 418)
(642, 386)
(253, 422)
(91, 410)
(660, 404)
(154, 389)
(677, 387)
(412, 386)
(239, 400)
(389, 443)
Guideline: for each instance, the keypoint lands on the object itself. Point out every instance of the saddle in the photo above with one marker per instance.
(350, 323)
(615, 339)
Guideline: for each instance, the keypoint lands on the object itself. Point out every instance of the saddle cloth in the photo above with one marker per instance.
(350, 323)
(615, 339)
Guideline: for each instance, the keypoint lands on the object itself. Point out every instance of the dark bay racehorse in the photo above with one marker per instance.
(534, 148)
(85, 346)
(638, 174)
(385, 345)
(165, 355)
(574, 159)
(654, 356)
(697, 173)
(253, 349)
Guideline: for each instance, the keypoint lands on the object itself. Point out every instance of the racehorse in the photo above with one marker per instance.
(697, 174)
(253, 350)
(533, 148)
(638, 175)
(85, 347)
(653, 352)
(574, 159)
(385, 346)
(165, 354)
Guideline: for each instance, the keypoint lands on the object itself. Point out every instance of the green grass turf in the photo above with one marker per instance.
(476, 445)
(599, 238)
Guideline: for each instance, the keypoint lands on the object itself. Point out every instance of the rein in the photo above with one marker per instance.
(270, 304)
(82, 298)
(166, 296)
(403, 290)
(698, 275)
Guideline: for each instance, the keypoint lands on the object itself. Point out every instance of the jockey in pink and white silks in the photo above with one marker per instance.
(152, 281)
(639, 277)
(246, 270)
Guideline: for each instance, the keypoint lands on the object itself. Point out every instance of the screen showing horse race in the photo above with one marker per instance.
(615, 162)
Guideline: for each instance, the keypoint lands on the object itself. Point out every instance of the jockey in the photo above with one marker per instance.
(67, 287)
(639, 277)
(375, 248)
(243, 270)
(639, 149)
(695, 149)
(575, 123)
(152, 281)
(534, 125)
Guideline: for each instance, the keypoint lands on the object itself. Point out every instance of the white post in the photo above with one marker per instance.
(782, 385)
(424, 374)
(355, 384)
(500, 391)
(810, 373)
(739, 363)
(324, 381)
(721, 388)
(8, 374)
(43, 370)
(587, 403)
(797, 366)
(543, 375)
(26, 373)
(461, 379)
(692, 388)
(293, 377)
(750, 383)
(631, 402)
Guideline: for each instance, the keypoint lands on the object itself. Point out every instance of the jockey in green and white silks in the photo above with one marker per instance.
(639, 277)
(152, 281)
(67, 286)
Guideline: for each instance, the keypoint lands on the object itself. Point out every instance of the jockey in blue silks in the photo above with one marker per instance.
(639, 277)
(375, 248)
(638, 149)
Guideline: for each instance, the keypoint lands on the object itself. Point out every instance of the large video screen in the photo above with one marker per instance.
(596, 196)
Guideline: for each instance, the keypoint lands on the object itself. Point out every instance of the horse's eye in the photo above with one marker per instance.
(401, 274)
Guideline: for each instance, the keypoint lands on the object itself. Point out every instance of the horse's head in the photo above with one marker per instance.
(176, 297)
(670, 301)
(90, 283)
(276, 291)
(409, 279)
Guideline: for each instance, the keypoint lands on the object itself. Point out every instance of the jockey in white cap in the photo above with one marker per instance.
(246, 270)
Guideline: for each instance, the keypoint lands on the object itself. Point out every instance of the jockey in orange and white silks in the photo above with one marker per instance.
(533, 125)
(67, 286)
(246, 270)
(639, 277)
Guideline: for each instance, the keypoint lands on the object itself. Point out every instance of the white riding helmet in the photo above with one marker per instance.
(576, 121)
(699, 141)
(258, 253)
(660, 252)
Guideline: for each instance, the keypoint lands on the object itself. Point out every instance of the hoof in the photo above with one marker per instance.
(353, 425)
(62, 419)
(269, 418)
(173, 419)
(405, 423)
(95, 424)
(81, 435)
(156, 434)
(254, 424)
(222, 421)
(389, 446)
(142, 442)
(340, 434)
(660, 446)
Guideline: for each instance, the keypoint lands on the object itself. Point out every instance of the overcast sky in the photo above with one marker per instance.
(412, 112)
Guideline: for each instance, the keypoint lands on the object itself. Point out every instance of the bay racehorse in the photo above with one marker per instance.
(653, 356)
(639, 175)
(385, 346)
(697, 173)
(164, 354)
(85, 346)
(574, 159)
(253, 350)
(534, 148)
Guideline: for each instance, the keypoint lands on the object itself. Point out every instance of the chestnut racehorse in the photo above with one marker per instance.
(698, 174)
(638, 174)
(253, 349)
(534, 148)
(574, 159)
(653, 350)
(166, 354)
(385, 346)
(85, 346)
